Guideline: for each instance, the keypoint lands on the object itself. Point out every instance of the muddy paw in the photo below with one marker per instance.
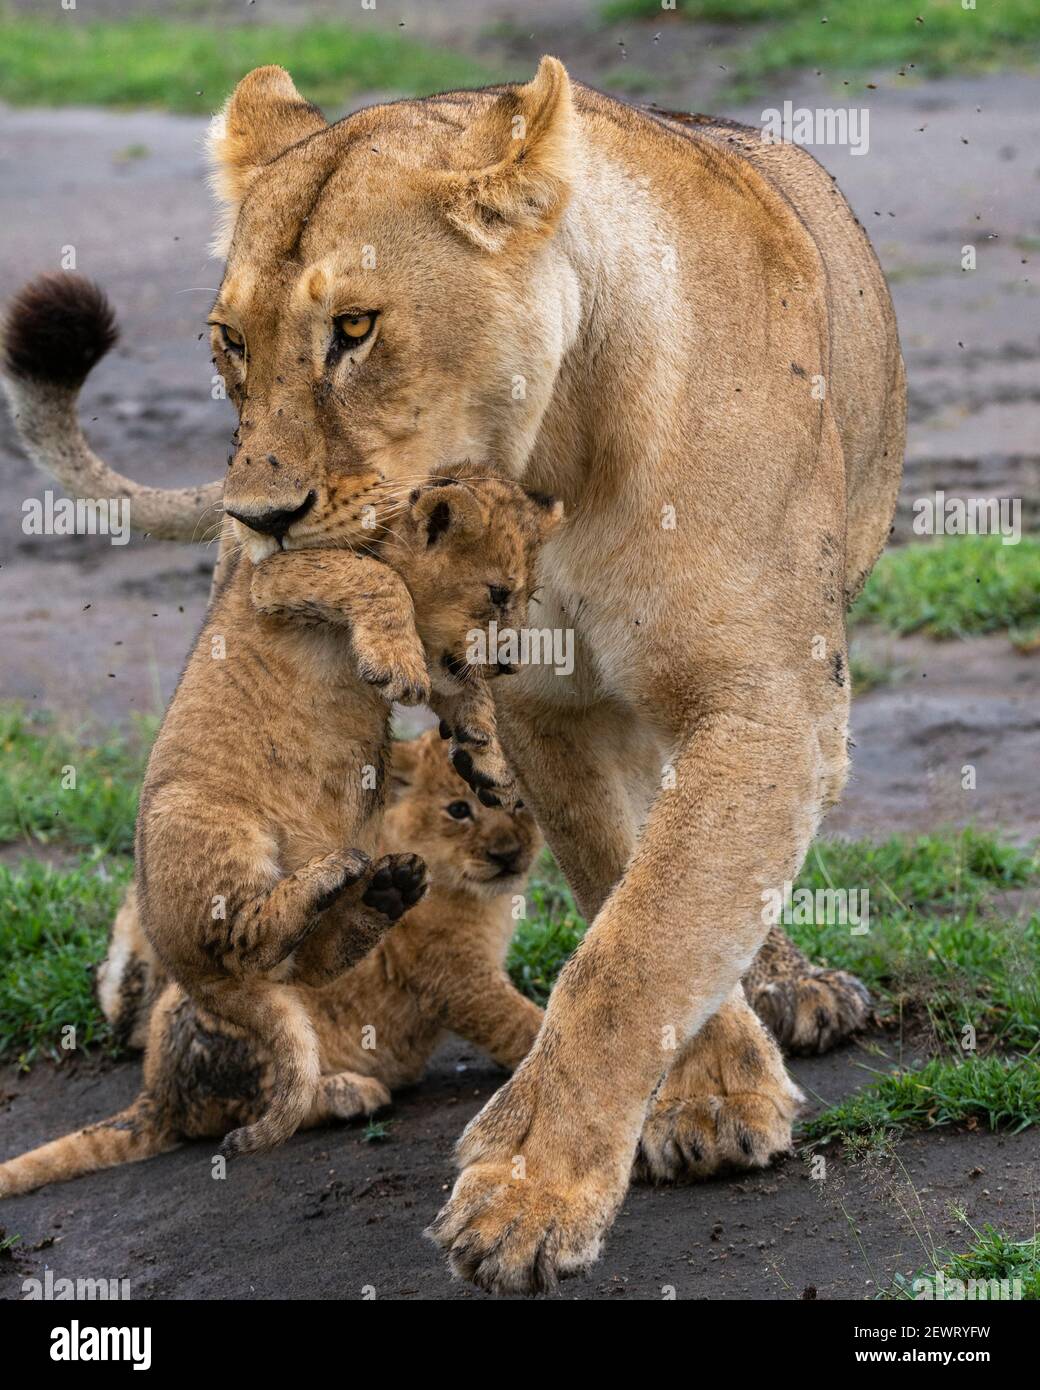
(397, 883)
(813, 1013)
(691, 1139)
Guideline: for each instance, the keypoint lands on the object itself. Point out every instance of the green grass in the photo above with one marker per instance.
(861, 35)
(545, 939)
(181, 66)
(955, 587)
(98, 812)
(933, 948)
(54, 931)
(1001, 1093)
(992, 1255)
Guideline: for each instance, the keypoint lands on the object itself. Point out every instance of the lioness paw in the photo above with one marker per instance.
(513, 1236)
(696, 1138)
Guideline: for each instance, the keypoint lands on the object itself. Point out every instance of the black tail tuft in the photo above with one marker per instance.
(58, 327)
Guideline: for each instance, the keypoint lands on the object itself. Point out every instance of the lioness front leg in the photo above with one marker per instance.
(351, 591)
(546, 1163)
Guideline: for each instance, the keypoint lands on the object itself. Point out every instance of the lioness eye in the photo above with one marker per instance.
(233, 340)
(353, 329)
(459, 810)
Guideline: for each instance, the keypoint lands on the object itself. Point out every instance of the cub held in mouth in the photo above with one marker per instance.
(261, 800)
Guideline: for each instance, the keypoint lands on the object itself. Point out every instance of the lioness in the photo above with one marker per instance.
(682, 332)
(376, 1027)
(250, 870)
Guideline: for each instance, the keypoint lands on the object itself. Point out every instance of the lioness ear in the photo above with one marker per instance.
(262, 117)
(440, 507)
(524, 145)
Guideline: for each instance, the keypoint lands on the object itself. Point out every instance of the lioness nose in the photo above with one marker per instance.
(275, 521)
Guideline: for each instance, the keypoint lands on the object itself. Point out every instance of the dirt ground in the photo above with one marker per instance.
(95, 632)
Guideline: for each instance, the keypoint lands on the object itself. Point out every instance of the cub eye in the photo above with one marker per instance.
(232, 340)
(459, 810)
(353, 329)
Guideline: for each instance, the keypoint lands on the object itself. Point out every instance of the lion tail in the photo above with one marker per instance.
(133, 1134)
(58, 328)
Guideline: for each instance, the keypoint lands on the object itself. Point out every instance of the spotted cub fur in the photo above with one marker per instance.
(439, 969)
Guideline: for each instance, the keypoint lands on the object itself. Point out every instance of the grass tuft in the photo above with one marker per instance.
(955, 587)
(927, 37)
(38, 801)
(180, 66)
(1000, 1092)
(55, 929)
(993, 1258)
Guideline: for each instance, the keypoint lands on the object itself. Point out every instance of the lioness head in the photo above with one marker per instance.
(391, 302)
(467, 543)
(466, 845)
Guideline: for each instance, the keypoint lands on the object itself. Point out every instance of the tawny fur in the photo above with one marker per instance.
(440, 969)
(682, 332)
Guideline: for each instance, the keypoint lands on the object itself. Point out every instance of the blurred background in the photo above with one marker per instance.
(102, 112)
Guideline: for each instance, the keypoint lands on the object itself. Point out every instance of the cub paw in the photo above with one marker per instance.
(398, 882)
(334, 873)
(483, 767)
(813, 1013)
(398, 671)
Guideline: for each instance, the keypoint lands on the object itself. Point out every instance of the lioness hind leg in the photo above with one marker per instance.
(726, 1104)
(344, 1094)
(806, 1009)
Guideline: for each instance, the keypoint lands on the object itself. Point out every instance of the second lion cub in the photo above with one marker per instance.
(260, 801)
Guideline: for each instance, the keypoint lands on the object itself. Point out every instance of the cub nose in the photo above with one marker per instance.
(275, 521)
(506, 859)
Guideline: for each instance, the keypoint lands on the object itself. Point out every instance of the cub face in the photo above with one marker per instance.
(479, 849)
(467, 546)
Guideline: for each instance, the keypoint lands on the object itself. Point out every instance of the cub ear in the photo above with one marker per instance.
(522, 153)
(549, 512)
(441, 508)
(262, 117)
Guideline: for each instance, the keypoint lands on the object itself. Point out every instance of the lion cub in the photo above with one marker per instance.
(441, 969)
(261, 796)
